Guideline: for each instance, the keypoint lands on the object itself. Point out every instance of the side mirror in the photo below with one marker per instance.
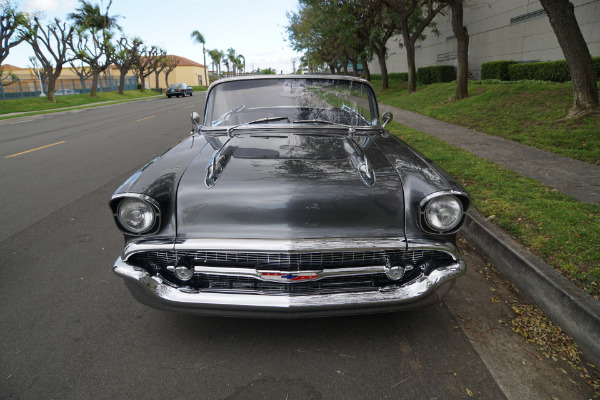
(386, 117)
(195, 122)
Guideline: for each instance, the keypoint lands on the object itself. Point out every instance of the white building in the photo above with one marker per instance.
(517, 30)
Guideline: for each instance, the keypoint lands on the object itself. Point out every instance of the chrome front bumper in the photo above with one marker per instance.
(153, 291)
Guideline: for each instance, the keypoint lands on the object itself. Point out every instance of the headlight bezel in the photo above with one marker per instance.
(118, 200)
(462, 201)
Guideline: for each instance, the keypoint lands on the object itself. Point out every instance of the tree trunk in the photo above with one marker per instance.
(409, 45)
(354, 66)
(366, 72)
(142, 79)
(94, 91)
(561, 14)
(167, 79)
(331, 68)
(50, 88)
(385, 84)
(122, 83)
(462, 49)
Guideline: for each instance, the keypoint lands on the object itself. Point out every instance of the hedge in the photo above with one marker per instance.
(496, 70)
(551, 71)
(392, 77)
(436, 74)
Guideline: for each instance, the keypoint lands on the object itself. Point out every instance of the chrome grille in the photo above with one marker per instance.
(289, 261)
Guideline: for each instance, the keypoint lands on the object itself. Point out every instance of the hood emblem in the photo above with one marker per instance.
(288, 277)
(366, 172)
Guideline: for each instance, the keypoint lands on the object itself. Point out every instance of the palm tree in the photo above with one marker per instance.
(89, 16)
(198, 38)
(216, 56)
(241, 62)
(232, 57)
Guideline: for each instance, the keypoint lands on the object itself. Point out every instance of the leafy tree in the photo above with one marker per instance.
(54, 40)
(414, 16)
(561, 14)
(125, 55)
(143, 63)
(93, 35)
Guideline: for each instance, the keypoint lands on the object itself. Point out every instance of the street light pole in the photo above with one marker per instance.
(205, 74)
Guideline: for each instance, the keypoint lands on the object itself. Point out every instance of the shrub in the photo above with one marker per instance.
(496, 70)
(392, 77)
(554, 71)
(436, 74)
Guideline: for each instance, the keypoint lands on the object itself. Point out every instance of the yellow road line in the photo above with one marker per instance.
(193, 105)
(145, 118)
(39, 148)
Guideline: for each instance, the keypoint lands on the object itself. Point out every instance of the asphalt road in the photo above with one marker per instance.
(70, 330)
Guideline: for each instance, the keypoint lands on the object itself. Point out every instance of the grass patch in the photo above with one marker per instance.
(528, 113)
(559, 229)
(34, 104)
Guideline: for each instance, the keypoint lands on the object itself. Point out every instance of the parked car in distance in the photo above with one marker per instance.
(290, 200)
(179, 89)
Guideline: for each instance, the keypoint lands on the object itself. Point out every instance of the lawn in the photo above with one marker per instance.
(528, 113)
(559, 229)
(41, 104)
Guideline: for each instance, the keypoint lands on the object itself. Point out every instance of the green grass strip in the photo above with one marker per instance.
(528, 113)
(559, 229)
(35, 104)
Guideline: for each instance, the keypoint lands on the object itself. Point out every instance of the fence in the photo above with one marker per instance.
(31, 87)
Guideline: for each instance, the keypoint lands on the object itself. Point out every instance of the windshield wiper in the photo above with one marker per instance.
(323, 121)
(256, 121)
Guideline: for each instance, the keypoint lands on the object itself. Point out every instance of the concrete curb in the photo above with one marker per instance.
(575, 311)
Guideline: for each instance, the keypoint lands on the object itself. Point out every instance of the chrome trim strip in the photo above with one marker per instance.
(291, 245)
(153, 292)
(257, 273)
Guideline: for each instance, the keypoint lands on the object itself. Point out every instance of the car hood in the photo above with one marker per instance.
(290, 186)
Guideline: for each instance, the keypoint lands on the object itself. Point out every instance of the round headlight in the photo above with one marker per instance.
(443, 213)
(136, 215)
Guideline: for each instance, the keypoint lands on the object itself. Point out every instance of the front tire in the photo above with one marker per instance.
(169, 96)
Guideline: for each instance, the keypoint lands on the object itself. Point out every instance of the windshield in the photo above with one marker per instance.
(176, 86)
(291, 101)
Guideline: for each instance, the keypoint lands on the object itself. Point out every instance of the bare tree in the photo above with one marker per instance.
(161, 64)
(124, 57)
(561, 14)
(53, 40)
(142, 66)
(171, 65)
(10, 20)
(95, 50)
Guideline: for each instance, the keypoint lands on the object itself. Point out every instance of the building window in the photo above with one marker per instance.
(528, 16)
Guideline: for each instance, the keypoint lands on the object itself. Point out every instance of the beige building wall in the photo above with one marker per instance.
(516, 30)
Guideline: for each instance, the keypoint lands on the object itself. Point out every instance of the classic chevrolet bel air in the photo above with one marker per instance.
(291, 199)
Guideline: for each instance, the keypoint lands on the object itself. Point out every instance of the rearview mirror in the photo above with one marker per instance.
(387, 117)
(195, 122)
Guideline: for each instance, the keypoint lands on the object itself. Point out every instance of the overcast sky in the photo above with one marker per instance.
(254, 28)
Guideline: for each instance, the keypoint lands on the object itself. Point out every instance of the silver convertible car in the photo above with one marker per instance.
(290, 200)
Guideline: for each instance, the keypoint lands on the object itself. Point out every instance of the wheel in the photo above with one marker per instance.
(191, 94)
(169, 96)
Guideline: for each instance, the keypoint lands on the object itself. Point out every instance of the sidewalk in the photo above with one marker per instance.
(572, 177)
(575, 311)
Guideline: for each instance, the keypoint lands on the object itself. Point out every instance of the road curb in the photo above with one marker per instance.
(570, 307)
